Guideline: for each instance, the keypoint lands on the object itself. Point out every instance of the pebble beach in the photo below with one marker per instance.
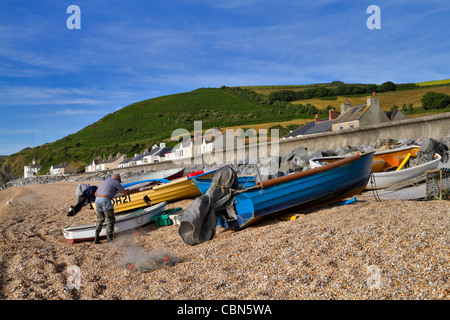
(370, 250)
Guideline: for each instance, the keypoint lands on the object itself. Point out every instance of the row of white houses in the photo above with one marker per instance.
(159, 153)
(32, 169)
(183, 150)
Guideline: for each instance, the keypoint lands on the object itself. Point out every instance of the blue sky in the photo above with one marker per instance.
(55, 81)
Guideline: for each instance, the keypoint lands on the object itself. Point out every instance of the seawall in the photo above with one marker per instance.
(435, 127)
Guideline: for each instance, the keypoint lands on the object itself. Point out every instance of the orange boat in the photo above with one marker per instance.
(390, 167)
(390, 159)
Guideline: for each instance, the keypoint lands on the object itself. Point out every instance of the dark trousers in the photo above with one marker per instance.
(107, 215)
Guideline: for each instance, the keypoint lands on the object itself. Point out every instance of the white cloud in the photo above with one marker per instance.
(74, 112)
(28, 95)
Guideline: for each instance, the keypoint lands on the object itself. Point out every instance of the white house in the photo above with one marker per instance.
(203, 147)
(92, 167)
(113, 163)
(182, 150)
(157, 154)
(137, 160)
(62, 169)
(31, 170)
(125, 163)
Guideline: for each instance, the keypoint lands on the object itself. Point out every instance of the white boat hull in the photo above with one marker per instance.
(387, 179)
(125, 223)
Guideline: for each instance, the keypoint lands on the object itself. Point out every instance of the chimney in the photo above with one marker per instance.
(373, 100)
(345, 106)
(162, 145)
(332, 114)
(316, 119)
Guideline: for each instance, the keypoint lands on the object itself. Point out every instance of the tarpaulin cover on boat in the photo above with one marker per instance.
(199, 220)
(429, 148)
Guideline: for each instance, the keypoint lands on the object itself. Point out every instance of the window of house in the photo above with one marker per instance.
(341, 128)
(351, 126)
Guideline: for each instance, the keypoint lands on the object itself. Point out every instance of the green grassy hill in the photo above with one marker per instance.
(142, 124)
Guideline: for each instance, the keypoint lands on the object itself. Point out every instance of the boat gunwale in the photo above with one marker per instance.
(130, 216)
(414, 168)
(306, 173)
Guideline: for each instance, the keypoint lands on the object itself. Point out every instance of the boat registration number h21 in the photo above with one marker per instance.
(121, 199)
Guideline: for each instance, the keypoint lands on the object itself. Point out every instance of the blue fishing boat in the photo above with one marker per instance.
(244, 182)
(319, 186)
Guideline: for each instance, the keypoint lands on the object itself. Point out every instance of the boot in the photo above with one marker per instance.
(110, 219)
(98, 229)
(110, 232)
(70, 211)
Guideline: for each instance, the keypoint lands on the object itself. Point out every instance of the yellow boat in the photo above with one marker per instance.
(177, 189)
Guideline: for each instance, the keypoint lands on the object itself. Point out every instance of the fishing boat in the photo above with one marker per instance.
(391, 166)
(203, 183)
(128, 222)
(174, 190)
(152, 178)
(326, 184)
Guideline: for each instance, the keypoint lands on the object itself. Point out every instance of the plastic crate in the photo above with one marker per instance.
(172, 211)
(162, 220)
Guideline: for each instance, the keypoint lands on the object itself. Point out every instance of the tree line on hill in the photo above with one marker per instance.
(283, 98)
(338, 88)
(301, 110)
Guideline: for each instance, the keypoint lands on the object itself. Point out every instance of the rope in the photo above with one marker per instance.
(374, 187)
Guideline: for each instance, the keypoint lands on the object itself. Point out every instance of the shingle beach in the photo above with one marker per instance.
(393, 249)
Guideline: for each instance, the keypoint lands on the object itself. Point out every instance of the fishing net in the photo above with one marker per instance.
(157, 260)
(438, 184)
(428, 149)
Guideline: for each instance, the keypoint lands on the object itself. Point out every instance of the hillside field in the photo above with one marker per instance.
(387, 99)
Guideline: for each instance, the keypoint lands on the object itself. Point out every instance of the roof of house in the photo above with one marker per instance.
(110, 160)
(126, 160)
(34, 166)
(392, 114)
(163, 151)
(95, 162)
(138, 157)
(157, 151)
(311, 127)
(152, 152)
(353, 113)
(61, 166)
